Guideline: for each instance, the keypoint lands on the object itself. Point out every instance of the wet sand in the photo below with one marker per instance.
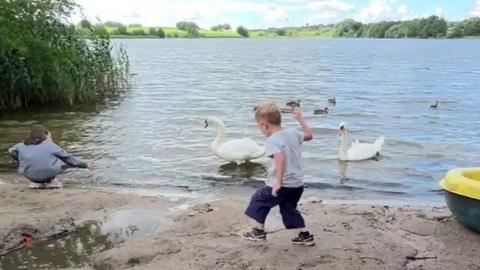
(208, 235)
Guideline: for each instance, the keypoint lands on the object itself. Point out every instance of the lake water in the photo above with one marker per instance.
(153, 136)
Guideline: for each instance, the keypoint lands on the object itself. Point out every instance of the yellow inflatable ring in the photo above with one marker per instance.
(462, 194)
(463, 182)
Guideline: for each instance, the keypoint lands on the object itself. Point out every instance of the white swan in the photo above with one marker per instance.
(358, 151)
(238, 150)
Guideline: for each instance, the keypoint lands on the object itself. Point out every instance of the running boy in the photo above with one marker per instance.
(284, 184)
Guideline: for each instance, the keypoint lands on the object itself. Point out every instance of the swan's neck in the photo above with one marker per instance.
(343, 146)
(219, 139)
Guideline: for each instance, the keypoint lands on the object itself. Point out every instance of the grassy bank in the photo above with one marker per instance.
(172, 32)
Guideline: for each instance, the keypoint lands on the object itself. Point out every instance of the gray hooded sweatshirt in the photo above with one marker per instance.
(43, 162)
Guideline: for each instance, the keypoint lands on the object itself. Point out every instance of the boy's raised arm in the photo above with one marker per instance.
(307, 131)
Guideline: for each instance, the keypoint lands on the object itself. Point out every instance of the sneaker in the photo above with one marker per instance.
(304, 238)
(54, 183)
(36, 185)
(255, 235)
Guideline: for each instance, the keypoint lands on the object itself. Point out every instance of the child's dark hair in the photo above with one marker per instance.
(37, 136)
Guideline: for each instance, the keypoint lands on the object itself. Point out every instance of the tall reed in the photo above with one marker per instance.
(45, 60)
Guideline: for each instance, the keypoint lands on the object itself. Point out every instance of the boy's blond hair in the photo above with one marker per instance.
(270, 112)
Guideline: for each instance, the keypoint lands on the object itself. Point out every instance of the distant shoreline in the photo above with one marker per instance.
(286, 37)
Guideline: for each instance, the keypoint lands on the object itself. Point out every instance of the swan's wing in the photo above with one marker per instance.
(241, 149)
(361, 151)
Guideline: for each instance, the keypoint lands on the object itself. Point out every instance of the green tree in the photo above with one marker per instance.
(191, 28)
(378, 30)
(472, 26)
(221, 27)
(348, 28)
(192, 32)
(152, 31)
(160, 33)
(432, 27)
(85, 24)
(456, 31)
(185, 26)
(215, 28)
(242, 31)
(122, 30)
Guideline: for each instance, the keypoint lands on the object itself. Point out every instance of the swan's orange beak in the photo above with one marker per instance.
(341, 130)
(206, 124)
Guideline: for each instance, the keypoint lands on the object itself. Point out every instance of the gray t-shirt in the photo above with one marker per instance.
(289, 142)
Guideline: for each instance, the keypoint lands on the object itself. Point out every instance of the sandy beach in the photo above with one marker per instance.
(208, 235)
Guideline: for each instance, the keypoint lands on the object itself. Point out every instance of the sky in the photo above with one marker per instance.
(255, 14)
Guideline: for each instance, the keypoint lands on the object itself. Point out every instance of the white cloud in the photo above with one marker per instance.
(276, 16)
(166, 13)
(402, 10)
(330, 5)
(439, 12)
(476, 11)
(205, 13)
(328, 11)
(383, 10)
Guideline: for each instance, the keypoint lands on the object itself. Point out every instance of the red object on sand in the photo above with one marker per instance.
(28, 239)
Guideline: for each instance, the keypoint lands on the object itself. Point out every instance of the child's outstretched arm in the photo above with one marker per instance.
(307, 131)
(280, 170)
(70, 159)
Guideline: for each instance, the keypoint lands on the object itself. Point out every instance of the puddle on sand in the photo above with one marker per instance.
(71, 249)
(133, 223)
(75, 249)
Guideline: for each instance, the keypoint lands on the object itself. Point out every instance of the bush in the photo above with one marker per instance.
(242, 31)
(44, 59)
(138, 32)
(156, 32)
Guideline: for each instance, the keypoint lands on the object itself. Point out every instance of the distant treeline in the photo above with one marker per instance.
(191, 29)
(431, 27)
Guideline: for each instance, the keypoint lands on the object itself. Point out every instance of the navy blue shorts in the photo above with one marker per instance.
(263, 200)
